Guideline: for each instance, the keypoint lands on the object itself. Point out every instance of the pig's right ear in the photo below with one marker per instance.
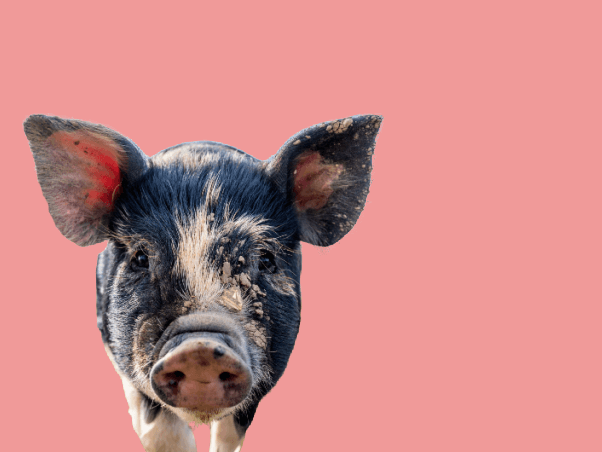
(82, 169)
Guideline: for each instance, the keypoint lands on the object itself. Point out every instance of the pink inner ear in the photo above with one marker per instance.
(96, 159)
(313, 181)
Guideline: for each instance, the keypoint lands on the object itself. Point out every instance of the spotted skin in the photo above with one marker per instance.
(203, 239)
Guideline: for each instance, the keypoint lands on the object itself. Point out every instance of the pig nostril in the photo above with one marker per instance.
(224, 376)
(175, 377)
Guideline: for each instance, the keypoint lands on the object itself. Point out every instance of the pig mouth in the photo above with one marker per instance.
(201, 365)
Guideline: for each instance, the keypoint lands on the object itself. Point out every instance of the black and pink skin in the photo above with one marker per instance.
(198, 295)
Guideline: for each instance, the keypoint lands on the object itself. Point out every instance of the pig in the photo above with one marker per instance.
(198, 290)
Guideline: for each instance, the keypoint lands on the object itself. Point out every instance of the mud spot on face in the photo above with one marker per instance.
(257, 291)
(226, 272)
(257, 309)
(232, 299)
(257, 333)
(244, 280)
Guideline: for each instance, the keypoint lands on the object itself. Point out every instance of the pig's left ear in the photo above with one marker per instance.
(82, 169)
(325, 173)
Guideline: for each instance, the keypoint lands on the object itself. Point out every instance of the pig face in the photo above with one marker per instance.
(198, 296)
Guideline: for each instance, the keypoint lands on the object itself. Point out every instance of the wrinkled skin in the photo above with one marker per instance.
(198, 295)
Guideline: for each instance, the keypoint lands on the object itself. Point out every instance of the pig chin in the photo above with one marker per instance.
(199, 417)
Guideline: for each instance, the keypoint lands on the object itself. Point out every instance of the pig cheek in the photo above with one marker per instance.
(256, 325)
(148, 334)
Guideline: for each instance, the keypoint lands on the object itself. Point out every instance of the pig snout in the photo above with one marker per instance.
(201, 374)
(203, 371)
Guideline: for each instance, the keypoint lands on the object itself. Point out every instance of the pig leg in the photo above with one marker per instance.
(225, 436)
(159, 430)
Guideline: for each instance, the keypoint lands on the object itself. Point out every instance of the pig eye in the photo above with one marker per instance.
(267, 261)
(139, 261)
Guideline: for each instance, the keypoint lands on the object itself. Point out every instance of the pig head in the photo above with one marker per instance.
(198, 297)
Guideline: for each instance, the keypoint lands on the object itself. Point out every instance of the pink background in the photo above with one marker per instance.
(462, 313)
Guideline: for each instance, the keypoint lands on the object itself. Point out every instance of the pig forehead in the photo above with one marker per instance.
(202, 186)
(208, 173)
(203, 168)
